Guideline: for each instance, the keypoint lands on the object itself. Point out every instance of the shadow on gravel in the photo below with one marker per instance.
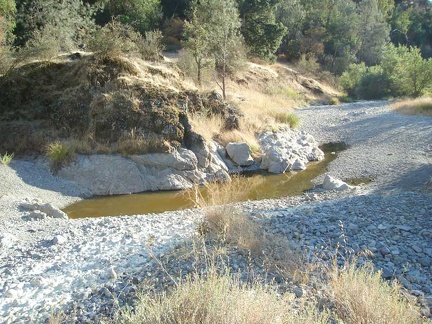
(414, 180)
(383, 127)
(39, 176)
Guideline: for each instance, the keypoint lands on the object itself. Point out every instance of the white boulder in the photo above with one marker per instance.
(239, 153)
(331, 183)
(287, 150)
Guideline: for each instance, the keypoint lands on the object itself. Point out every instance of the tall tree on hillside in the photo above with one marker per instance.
(196, 32)
(263, 35)
(214, 30)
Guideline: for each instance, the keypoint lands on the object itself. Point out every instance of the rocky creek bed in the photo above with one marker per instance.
(86, 266)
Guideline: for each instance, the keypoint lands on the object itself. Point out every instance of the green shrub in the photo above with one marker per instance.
(6, 158)
(59, 154)
(290, 119)
(115, 39)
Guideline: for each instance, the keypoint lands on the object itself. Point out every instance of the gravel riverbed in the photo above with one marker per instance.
(51, 265)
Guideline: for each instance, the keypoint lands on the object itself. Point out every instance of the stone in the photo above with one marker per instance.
(41, 210)
(417, 249)
(386, 273)
(288, 149)
(7, 240)
(37, 214)
(298, 292)
(239, 153)
(331, 183)
(181, 169)
(425, 261)
(58, 239)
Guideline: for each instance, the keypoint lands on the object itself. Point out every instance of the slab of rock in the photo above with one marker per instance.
(113, 174)
(240, 153)
(331, 183)
(287, 150)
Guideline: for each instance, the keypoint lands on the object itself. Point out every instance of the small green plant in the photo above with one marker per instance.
(59, 155)
(6, 158)
(290, 119)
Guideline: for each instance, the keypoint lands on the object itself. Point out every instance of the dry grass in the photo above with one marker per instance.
(422, 106)
(361, 296)
(215, 297)
(223, 222)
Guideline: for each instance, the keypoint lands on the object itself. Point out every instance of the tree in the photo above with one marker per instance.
(263, 35)
(373, 31)
(61, 24)
(214, 30)
(196, 32)
(409, 72)
(226, 41)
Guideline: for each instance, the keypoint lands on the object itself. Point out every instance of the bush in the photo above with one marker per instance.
(150, 47)
(290, 119)
(59, 155)
(362, 296)
(115, 39)
(366, 82)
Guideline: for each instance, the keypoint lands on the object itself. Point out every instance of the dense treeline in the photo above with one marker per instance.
(355, 39)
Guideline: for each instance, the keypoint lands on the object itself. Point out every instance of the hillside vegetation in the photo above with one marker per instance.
(128, 105)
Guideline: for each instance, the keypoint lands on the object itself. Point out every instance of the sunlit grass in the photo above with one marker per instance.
(421, 106)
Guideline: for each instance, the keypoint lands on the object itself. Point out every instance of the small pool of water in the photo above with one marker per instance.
(268, 186)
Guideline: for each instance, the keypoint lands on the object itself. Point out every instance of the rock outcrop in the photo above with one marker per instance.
(114, 174)
(287, 150)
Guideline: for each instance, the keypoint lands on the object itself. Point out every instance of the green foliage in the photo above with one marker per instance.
(214, 30)
(7, 20)
(365, 82)
(290, 119)
(48, 27)
(114, 39)
(403, 72)
(260, 30)
(6, 158)
(141, 15)
(59, 155)
(409, 73)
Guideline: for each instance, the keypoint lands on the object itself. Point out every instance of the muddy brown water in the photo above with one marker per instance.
(269, 186)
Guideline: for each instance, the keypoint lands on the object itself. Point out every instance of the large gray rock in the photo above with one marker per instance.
(105, 174)
(287, 150)
(331, 183)
(113, 174)
(239, 153)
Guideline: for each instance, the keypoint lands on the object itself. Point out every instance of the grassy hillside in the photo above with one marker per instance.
(128, 105)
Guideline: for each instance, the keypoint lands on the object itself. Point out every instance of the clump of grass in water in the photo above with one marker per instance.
(290, 119)
(6, 158)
